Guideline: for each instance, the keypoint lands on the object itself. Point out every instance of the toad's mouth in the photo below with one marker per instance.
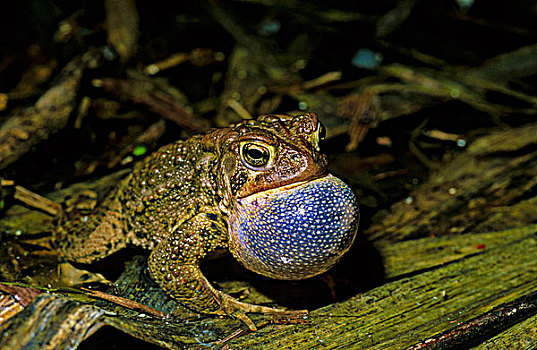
(289, 186)
(294, 231)
(285, 187)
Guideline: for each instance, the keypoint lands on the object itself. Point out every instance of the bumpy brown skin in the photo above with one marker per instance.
(177, 201)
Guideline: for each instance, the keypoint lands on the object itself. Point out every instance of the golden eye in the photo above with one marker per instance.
(255, 155)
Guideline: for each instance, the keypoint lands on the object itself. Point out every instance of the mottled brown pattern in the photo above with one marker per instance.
(180, 200)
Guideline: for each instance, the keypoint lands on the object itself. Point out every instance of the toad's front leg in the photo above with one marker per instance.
(174, 265)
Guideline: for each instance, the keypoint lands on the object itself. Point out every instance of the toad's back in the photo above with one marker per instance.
(167, 188)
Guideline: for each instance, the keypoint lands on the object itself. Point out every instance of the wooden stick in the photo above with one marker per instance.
(36, 201)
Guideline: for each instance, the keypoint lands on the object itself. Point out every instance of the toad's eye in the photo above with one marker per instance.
(321, 131)
(255, 155)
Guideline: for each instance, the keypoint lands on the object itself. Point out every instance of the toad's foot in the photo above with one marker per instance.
(237, 309)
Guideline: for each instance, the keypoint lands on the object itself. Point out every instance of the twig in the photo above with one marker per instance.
(24, 295)
(322, 80)
(5, 183)
(238, 108)
(131, 304)
(142, 90)
(50, 113)
(122, 26)
(474, 331)
(36, 201)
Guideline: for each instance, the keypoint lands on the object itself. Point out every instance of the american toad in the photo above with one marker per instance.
(259, 188)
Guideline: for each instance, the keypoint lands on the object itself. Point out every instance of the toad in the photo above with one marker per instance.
(259, 188)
